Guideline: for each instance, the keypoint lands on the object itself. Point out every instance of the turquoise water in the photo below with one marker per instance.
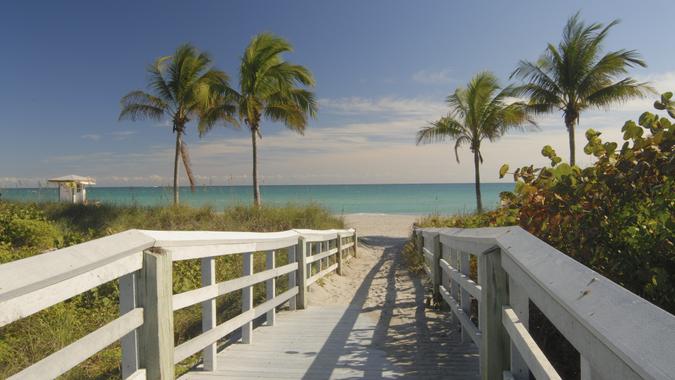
(390, 199)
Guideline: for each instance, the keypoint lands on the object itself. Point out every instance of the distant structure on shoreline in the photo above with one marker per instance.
(72, 188)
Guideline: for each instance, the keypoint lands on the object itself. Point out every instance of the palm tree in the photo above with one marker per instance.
(478, 112)
(269, 87)
(575, 75)
(183, 86)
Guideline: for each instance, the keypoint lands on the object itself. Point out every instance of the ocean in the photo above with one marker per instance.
(340, 199)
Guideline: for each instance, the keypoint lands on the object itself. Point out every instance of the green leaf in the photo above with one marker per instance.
(503, 170)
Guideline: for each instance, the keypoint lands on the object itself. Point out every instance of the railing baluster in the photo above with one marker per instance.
(247, 299)
(338, 256)
(465, 301)
(292, 258)
(436, 265)
(208, 268)
(302, 272)
(270, 288)
(129, 343)
(156, 351)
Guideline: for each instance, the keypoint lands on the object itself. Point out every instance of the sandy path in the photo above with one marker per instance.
(422, 342)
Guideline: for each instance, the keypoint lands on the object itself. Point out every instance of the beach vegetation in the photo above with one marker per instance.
(576, 75)
(184, 87)
(30, 339)
(481, 111)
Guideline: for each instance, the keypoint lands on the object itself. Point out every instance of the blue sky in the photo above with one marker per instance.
(383, 68)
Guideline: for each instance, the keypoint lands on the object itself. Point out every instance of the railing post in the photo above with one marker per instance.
(356, 243)
(465, 297)
(208, 269)
(129, 343)
(495, 342)
(247, 300)
(156, 352)
(292, 258)
(586, 371)
(270, 288)
(302, 273)
(520, 304)
(436, 265)
(339, 254)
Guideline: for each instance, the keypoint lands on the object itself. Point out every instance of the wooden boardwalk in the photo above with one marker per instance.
(393, 339)
(322, 343)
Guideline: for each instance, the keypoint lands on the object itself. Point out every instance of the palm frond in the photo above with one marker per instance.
(139, 105)
(440, 130)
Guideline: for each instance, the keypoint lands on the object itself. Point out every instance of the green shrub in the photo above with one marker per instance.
(38, 234)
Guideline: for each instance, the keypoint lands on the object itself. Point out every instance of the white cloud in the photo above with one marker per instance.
(440, 77)
(92, 137)
(386, 106)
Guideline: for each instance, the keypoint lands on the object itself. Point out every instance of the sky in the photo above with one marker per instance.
(383, 70)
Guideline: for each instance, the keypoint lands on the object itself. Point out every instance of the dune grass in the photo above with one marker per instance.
(29, 229)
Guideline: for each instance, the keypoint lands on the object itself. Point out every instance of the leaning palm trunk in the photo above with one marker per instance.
(185, 156)
(175, 168)
(476, 163)
(256, 187)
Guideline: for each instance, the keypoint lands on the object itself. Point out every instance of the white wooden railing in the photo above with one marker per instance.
(617, 334)
(143, 261)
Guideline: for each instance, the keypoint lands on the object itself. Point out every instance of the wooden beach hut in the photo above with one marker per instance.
(72, 188)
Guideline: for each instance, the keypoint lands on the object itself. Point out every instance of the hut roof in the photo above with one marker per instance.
(75, 179)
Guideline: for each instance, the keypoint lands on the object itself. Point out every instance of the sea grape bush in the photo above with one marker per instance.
(616, 216)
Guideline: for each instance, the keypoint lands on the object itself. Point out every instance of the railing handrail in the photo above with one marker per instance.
(142, 258)
(618, 333)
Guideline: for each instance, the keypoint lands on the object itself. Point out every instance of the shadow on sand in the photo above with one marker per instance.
(408, 341)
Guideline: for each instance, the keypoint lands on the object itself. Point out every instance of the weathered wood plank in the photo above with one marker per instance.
(536, 361)
(156, 333)
(463, 280)
(323, 273)
(301, 253)
(495, 346)
(461, 315)
(195, 296)
(129, 295)
(208, 270)
(292, 275)
(31, 299)
(270, 286)
(247, 300)
(77, 352)
(318, 256)
(197, 343)
(520, 304)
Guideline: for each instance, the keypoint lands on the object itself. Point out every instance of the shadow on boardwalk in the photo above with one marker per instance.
(408, 341)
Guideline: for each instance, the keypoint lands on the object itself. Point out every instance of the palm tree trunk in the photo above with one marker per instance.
(570, 132)
(175, 168)
(256, 188)
(476, 163)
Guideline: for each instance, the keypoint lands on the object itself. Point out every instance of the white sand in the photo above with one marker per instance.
(388, 225)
